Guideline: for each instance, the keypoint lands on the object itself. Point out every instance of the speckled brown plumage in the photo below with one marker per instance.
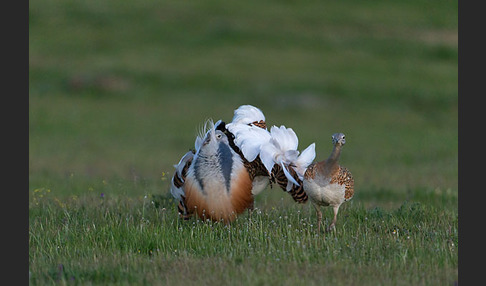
(329, 184)
(310, 172)
(297, 192)
(260, 124)
(344, 177)
(255, 168)
(337, 174)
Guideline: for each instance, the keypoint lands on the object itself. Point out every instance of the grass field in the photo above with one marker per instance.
(118, 91)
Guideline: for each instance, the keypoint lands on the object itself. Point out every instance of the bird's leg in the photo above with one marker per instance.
(319, 218)
(333, 223)
(251, 208)
(252, 205)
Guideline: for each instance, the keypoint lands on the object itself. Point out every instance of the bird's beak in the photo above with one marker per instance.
(207, 140)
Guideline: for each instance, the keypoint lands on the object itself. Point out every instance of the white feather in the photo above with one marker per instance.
(238, 129)
(247, 114)
(286, 137)
(250, 139)
(281, 149)
(304, 160)
(250, 150)
(267, 152)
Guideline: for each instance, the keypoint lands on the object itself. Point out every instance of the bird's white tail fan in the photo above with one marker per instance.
(281, 149)
(246, 114)
(305, 159)
(249, 139)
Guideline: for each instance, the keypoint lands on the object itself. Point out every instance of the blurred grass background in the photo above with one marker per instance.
(117, 90)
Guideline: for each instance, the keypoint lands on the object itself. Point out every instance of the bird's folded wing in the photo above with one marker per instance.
(177, 191)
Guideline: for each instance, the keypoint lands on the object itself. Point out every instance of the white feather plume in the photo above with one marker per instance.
(304, 160)
(246, 114)
(249, 139)
(281, 149)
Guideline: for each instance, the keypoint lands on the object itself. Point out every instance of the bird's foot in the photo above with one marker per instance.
(330, 228)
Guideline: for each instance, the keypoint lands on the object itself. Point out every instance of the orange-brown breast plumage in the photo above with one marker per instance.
(215, 202)
(213, 182)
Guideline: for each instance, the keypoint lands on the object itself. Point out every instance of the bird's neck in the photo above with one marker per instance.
(328, 166)
(334, 156)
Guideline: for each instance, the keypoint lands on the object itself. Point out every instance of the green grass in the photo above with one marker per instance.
(118, 91)
(115, 239)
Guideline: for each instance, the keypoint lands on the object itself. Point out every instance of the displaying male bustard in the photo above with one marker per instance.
(329, 184)
(234, 162)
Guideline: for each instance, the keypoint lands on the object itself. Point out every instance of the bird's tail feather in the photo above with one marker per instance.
(281, 150)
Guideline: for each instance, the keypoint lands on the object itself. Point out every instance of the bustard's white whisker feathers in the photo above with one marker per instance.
(203, 130)
(205, 127)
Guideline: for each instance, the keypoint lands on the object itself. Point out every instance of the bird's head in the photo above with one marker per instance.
(215, 137)
(338, 139)
(210, 136)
